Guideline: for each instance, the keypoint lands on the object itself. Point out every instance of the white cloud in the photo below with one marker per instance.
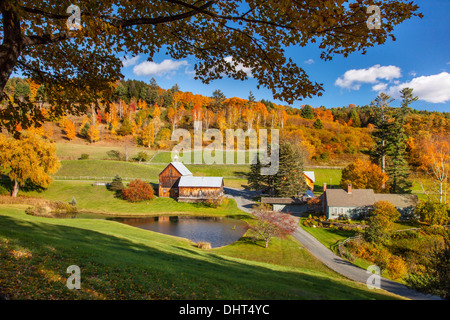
(151, 68)
(239, 66)
(434, 88)
(352, 79)
(126, 62)
(379, 87)
(309, 61)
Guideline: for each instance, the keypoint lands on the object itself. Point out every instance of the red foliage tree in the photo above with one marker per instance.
(271, 224)
(138, 190)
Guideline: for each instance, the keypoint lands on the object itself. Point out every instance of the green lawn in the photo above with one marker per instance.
(73, 151)
(121, 262)
(197, 157)
(99, 199)
(234, 175)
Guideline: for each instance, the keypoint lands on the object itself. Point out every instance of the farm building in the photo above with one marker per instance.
(194, 189)
(176, 181)
(355, 203)
(310, 179)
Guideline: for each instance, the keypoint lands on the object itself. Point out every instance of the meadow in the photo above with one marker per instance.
(122, 262)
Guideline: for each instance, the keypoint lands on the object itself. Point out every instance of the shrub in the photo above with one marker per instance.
(215, 202)
(142, 156)
(4, 190)
(138, 190)
(397, 267)
(116, 185)
(56, 209)
(431, 212)
(84, 156)
(204, 245)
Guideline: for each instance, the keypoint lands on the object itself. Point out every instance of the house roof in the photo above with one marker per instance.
(366, 197)
(191, 181)
(181, 168)
(358, 198)
(399, 200)
(310, 175)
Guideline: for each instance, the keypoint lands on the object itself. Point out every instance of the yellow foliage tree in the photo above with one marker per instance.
(28, 158)
(93, 133)
(69, 128)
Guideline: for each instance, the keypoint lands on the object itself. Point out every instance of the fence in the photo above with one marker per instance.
(96, 178)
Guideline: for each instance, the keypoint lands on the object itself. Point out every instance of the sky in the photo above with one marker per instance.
(419, 59)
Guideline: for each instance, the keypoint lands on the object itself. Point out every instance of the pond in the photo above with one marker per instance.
(219, 231)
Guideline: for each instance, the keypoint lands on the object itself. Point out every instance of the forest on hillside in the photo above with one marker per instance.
(146, 114)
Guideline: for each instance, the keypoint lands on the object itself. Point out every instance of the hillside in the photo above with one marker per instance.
(120, 262)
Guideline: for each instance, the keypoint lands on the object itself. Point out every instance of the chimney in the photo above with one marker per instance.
(349, 188)
(324, 187)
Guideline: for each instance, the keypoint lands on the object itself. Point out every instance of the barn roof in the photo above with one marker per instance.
(181, 168)
(191, 181)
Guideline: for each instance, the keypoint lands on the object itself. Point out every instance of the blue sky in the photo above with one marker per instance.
(419, 58)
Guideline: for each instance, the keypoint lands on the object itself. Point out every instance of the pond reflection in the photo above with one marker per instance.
(217, 231)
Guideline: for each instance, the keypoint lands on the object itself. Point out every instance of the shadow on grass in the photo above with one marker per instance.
(116, 268)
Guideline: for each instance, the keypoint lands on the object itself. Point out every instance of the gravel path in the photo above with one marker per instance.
(244, 200)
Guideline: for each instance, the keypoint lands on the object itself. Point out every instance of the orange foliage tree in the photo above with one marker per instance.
(363, 174)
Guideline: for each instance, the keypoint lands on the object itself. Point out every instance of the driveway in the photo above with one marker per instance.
(244, 200)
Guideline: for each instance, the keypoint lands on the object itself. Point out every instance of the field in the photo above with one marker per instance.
(98, 199)
(122, 262)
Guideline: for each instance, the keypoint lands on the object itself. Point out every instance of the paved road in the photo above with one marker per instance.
(244, 200)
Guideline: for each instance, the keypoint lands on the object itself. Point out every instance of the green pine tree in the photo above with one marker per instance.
(318, 124)
(398, 167)
(289, 181)
(307, 112)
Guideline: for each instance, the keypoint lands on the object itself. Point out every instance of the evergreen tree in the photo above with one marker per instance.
(117, 184)
(390, 141)
(318, 124)
(307, 112)
(398, 168)
(289, 181)
(254, 178)
(382, 130)
(356, 121)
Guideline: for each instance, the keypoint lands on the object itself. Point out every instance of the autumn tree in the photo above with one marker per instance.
(69, 129)
(29, 158)
(363, 174)
(93, 133)
(271, 224)
(381, 221)
(78, 63)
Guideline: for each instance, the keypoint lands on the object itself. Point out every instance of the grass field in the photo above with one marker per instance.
(73, 151)
(99, 199)
(122, 262)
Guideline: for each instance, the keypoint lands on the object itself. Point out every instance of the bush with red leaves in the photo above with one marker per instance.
(138, 190)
